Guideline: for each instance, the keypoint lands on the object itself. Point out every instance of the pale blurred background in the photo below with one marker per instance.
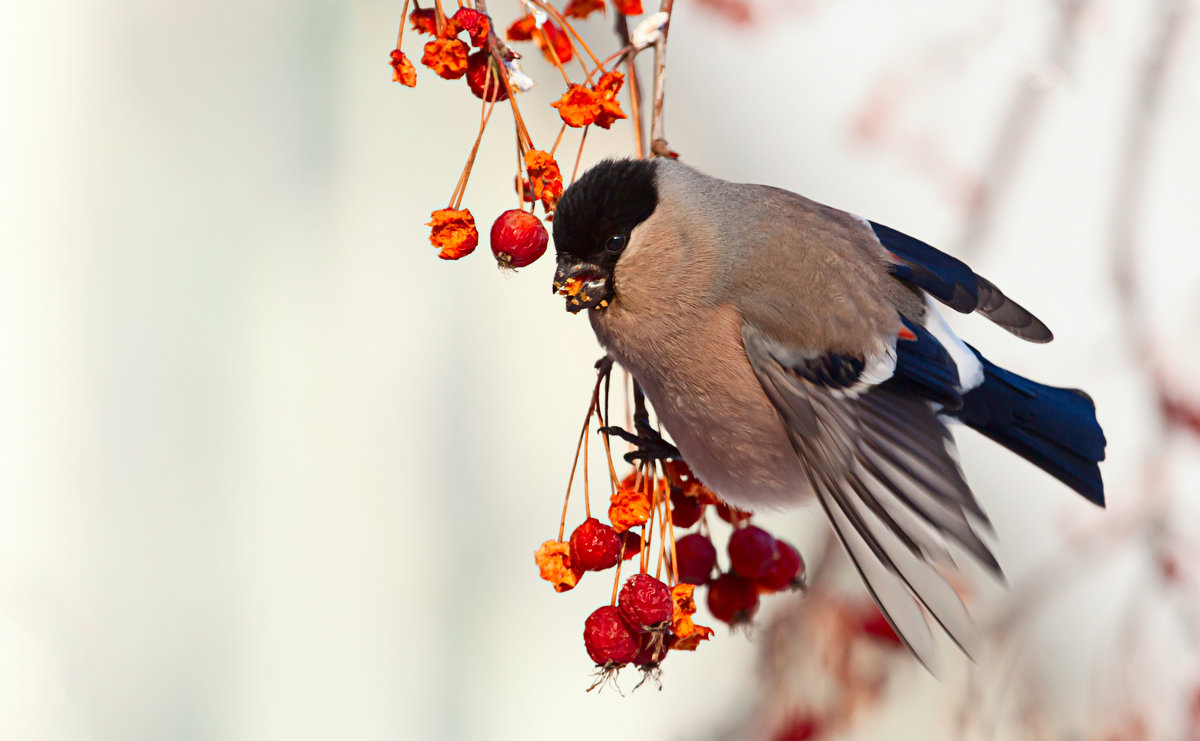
(271, 470)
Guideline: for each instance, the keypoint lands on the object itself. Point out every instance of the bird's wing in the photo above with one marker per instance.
(950, 281)
(881, 465)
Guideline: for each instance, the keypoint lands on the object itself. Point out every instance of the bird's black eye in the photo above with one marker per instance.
(615, 243)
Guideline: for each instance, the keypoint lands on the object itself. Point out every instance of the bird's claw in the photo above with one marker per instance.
(649, 445)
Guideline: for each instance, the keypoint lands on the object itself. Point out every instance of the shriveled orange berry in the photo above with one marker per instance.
(403, 71)
(476, 24)
(628, 508)
(553, 36)
(583, 8)
(521, 29)
(578, 107)
(629, 7)
(610, 112)
(609, 84)
(446, 57)
(545, 177)
(687, 635)
(453, 233)
(553, 560)
(424, 20)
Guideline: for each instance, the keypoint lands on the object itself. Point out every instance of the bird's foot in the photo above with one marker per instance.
(649, 445)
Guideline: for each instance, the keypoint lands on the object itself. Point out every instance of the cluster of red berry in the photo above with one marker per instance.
(651, 615)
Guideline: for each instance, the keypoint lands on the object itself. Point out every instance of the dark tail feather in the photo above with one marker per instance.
(1053, 428)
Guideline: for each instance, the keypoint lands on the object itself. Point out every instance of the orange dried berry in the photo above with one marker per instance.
(687, 634)
(583, 8)
(446, 57)
(553, 560)
(553, 36)
(609, 84)
(628, 508)
(545, 177)
(578, 106)
(453, 233)
(476, 24)
(424, 20)
(629, 7)
(521, 29)
(403, 71)
(610, 113)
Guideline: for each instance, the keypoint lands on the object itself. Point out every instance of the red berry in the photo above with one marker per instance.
(685, 510)
(518, 238)
(733, 515)
(477, 76)
(608, 639)
(645, 603)
(800, 728)
(695, 558)
(785, 569)
(732, 599)
(595, 546)
(652, 651)
(632, 542)
(751, 550)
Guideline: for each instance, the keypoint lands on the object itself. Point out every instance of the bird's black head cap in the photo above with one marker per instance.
(594, 222)
(610, 199)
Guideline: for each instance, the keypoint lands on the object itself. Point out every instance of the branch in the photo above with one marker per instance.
(658, 141)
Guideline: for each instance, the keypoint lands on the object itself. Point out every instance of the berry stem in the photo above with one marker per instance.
(579, 154)
(617, 575)
(658, 142)
(587, 423)
(403, 21)
(554, 55)
(612, 471)
(635, 87)
(671, 540)
(558, 139)
(460, 189)
(587, 439)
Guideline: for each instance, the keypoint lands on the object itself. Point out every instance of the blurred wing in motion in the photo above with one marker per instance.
(881, 465)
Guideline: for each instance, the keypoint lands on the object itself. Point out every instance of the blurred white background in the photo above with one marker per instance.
(271, 470)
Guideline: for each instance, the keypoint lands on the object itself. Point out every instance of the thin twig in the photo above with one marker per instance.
(635, 86)
(658, 141)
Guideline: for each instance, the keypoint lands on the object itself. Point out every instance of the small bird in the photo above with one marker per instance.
(793, 351)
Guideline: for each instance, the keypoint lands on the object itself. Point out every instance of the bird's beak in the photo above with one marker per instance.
(584, 284)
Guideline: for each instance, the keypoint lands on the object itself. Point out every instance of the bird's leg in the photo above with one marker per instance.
(650, 446)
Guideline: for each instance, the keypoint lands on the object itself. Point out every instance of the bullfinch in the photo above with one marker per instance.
(793, 351)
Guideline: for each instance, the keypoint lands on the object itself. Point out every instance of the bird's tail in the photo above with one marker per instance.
(1053, 428)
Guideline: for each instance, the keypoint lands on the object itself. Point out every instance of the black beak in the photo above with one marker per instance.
(584, 284)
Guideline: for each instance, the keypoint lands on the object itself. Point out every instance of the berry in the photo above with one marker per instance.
(652, 651)
(685, 510)
(751, 550)
(786, 569)
(732, 599)
(732, 515)
(518, 238)
(695, 558)
(478, 64)
(595, 546)
(608, 639)
(645, 603)
(632, 542)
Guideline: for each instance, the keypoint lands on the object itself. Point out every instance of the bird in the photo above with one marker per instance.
(793, 351)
